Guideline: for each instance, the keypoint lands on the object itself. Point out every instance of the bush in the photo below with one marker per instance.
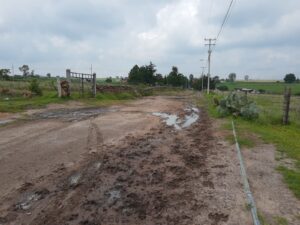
(34, 87)
(109, 80)
(223, 88)
(238, 105)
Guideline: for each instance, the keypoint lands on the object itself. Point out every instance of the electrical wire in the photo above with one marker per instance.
(227, 15)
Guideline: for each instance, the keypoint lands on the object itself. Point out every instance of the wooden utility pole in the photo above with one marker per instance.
(286, 105)
(210, 40)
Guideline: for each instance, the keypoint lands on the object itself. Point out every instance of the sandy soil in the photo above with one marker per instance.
(274, 199)
(119, 165)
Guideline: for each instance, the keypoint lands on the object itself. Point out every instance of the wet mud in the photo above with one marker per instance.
(151, 179)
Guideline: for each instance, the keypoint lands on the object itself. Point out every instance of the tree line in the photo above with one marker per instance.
(146, 74)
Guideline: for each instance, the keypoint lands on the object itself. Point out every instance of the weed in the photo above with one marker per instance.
(281, 221)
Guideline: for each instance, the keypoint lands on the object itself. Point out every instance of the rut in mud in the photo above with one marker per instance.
(153, 179)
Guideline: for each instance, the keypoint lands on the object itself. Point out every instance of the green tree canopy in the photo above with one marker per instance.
(290, 78)
(176, 79)
(4, 74)
(25, 70)
(232, 77)
(144, 74)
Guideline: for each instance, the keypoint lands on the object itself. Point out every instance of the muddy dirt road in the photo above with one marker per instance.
(128, 164)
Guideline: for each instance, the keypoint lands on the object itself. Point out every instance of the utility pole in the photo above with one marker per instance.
(202, 75)
(210, 40)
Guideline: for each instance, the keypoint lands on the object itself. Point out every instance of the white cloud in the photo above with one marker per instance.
(260, 39)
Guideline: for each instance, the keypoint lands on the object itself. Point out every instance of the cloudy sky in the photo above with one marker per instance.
(261, 38)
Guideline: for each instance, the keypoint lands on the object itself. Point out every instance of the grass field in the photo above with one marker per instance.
(268, 126)
(269, 87)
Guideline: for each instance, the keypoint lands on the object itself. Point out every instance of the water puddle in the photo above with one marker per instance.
(169, 119)
(192, 115)
(28, 200)
(72, 114)
(74, 180)
(3, 122)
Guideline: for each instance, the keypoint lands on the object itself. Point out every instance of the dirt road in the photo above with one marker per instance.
(128, 164)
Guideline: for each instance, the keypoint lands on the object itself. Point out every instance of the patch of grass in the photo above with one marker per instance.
(292, 178)
(262, 219)
(281, 221)
(19, 104)
(269, 128)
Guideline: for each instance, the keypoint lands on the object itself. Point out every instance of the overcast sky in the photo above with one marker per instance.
(261, 38)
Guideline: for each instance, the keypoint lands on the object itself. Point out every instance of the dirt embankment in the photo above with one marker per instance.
(153, 174)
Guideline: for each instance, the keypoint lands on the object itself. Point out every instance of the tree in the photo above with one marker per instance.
(25, 70)
(4, 74)
(48, 75)
(159, 79)
(144, 74)
(176, 79)
(246, 77)
(232, 77)
(197, 84)
(290, 78)
(133, 76)
(191, 80)
(109, 80)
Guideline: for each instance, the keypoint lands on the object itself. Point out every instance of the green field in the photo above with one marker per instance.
(268, 87)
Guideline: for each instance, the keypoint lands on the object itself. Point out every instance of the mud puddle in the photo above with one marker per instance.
(190, 117)
(70, 115)
(3, 122)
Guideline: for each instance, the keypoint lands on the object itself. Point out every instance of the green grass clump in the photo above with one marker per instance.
(292, 178)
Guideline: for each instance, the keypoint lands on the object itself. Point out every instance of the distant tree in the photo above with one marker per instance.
(4, 74)
(191, 80)
(133, 76)
(159, 79)
(197, 84)
(216, 79)
(144, 74)
(232, 77)
(290, 78)
(48, 75)
(109, 80)
(246, 77)
(25, 70)
(32, 73)
(176, 79)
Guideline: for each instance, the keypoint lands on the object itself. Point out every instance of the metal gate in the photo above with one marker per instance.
(82, 77)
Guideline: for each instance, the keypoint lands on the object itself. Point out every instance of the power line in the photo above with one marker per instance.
(225, 19)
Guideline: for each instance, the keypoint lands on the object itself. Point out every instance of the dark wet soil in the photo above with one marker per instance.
(159, 178)
(71, 114)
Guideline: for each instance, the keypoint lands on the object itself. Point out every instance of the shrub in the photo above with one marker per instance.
(223, 88)
(238, 105)
(109, 80)
(34, 87)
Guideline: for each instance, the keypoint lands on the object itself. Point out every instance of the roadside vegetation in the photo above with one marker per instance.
(269, 127)
(263, 87)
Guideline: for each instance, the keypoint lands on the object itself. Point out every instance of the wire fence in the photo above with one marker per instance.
(272, 108)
